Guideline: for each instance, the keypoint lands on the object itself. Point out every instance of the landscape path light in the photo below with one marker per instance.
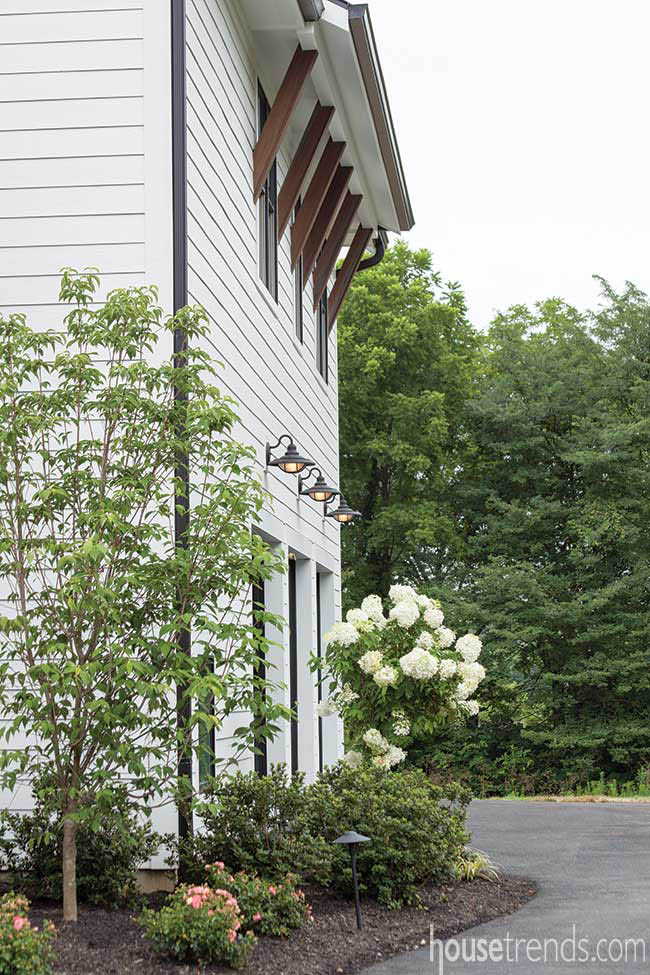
(352, 840)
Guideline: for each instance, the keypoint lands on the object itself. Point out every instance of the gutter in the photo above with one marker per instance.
(180, 299)
(365, 47)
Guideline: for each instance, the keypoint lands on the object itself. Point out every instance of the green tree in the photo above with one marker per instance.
(555, 504)
(406, 364)
(97, 590)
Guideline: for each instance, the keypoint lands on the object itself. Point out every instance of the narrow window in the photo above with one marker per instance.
(207, 743)
(319, 654)
(261, 759)
(299, 283)
(322, 337)
(293, 664)
(268, 216)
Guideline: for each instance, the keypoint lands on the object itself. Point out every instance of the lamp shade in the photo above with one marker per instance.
(291, 462)
(321, 490)
(344, 514)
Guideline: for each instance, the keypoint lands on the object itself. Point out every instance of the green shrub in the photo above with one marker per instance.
(267, 908)
(200, 925)
(24, 949)
(259, 824)
(417, 829)
(107, 858)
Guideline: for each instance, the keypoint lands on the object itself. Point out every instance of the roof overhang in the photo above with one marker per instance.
(348, 76)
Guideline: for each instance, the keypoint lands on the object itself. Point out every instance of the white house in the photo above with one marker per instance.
(229, 151)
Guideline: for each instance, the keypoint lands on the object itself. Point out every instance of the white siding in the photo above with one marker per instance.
(85, 180)
(72, 155)
(273, 378)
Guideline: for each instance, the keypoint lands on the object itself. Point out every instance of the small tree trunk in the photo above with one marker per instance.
(69, 869)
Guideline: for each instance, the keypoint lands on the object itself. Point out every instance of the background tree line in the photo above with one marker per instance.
(507, 473)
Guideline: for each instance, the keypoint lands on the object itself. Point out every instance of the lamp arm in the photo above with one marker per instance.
(271, 447)
(303, 479)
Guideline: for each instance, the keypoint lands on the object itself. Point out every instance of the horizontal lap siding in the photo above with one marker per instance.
(72, 176)
(273, 379)
(72, 166)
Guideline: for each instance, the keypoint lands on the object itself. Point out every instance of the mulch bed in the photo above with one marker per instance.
(110, 943)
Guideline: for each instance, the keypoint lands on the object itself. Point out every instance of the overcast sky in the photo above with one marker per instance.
(524, 126)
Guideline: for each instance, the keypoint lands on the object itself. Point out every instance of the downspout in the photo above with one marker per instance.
(380, 243)
(181, 471)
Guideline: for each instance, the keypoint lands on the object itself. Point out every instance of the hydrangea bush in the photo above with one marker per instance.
(24, 949)
(267, 908)
(398, 677)
(200, 924)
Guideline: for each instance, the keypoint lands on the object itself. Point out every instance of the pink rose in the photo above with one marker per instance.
(257, 917)
(272, 889)
(196, 901)
(231, 936)
(19, 922)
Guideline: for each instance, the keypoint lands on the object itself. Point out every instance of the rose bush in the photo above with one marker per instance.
(397, 678)
(202, 925)
(24, 949)
(267, 908)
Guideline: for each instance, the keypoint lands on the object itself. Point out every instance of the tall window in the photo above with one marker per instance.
(207, 742)
(299, 282)
(319, 654)
(268, 212)
(321, 338)
(261, 758)
(293, 664)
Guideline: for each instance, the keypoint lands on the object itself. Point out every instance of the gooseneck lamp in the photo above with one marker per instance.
(320, 490)
(290, 462)
(344, 513)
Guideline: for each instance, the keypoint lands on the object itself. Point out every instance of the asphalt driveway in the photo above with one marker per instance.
(591, 863)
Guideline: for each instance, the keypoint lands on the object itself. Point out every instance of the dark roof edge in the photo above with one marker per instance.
(366, 48)
(311, 9)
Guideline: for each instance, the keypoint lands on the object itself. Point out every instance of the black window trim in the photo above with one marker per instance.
(268, 211)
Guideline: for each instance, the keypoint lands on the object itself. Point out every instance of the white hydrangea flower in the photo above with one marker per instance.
(434, 617)
(344, 633)
(447, 669)
(423, 601)
(395, 755)
(402, 726)
(471, 707)
(425, 640)
(463, 691)
(386, 676)
(375, 740)
(356, 616)
(472, 674)
(353, 758)
(381, 761)
(446, 637)
(397, 594)
(373, 608)
(326, 709)
(419, 664)
(371, 661)
(346, 696)
(470, 647)
(405, 613)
